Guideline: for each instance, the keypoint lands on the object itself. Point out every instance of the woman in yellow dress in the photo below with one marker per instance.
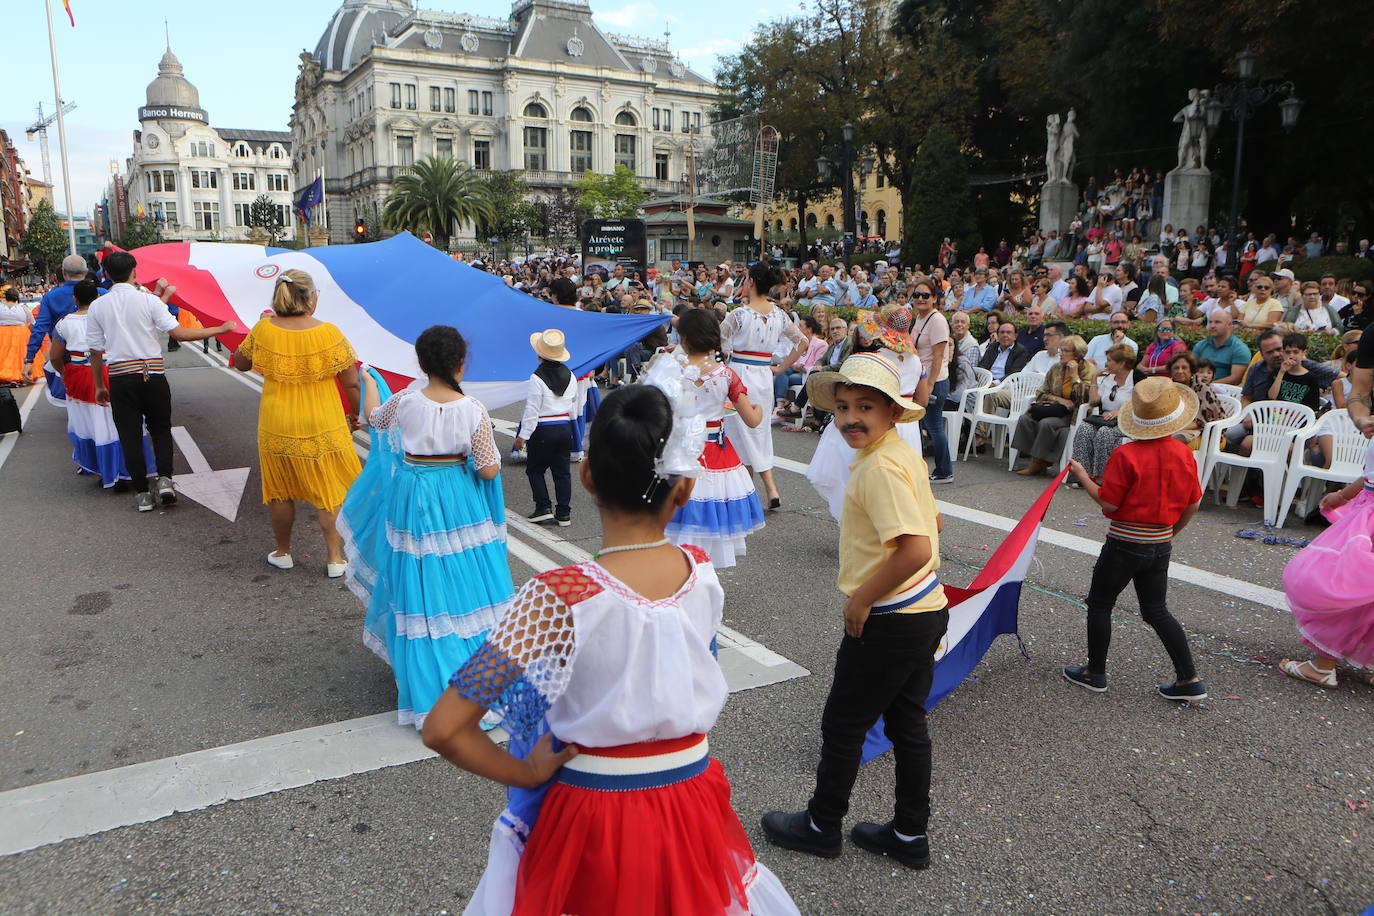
(305, 440)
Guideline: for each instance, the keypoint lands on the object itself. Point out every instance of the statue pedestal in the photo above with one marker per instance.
(317, 236)
(1058, 204)
(1187, 198)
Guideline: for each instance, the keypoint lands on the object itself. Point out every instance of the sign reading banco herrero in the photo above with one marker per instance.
(165, 112)
(608, 242)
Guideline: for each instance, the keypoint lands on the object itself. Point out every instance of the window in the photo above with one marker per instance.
(200, 178)
(370, 99)
(436, 102)
(451, 100)
(241, 214)
(154, 181)
(278, 153)
(535, 110)
(625, 119)
(658, 120)
(169, 180)
(811, 221)
(625, 150)
(165, 211)
(661, 166)
(481, 154)
(410, 97)
(672, 249)
(278, 181)
(691, 121)
(405, 151)
(283, 214)
(486, 104)
(536, 146)
(580, 143)
(472, 102)
(241, 151)
(395, 95)
(352, 110)
(663, 119)
(882, 223)
(744, 251)
(882, 180)
(443, 146)
(830, 221)
(243, 181)
(580, 114)
(205, 215)
(203, 148)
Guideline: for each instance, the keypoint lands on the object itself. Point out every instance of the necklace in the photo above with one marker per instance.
(662, 542)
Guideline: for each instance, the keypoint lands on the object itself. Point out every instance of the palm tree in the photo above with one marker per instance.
(436, 195)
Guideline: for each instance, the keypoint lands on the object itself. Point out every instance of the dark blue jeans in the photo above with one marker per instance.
(934, 425)
(1146, 565)
(783, 381)
(549, 449)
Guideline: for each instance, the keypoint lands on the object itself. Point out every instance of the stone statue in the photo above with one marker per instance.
(1192, 140)
(1068, 139)
(1052, 148)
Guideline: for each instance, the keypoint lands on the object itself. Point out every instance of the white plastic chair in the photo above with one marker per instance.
(954, 419)
(1021, 388)
(1211, 430)
(1347, 461)
(1232, 390)
(1079, 413)
(1273, 424)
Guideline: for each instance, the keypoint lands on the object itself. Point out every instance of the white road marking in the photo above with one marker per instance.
(8, 440)
(219, 491)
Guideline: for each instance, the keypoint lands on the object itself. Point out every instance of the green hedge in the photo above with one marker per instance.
(1315, 268)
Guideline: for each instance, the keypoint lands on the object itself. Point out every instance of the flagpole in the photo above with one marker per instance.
(324, 203)
(61, 129)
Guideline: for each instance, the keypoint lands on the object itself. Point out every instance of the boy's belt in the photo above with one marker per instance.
(1139, 533)
(909, 595)
(146, 367)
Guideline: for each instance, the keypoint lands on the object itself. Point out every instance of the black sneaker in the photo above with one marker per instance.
(882, 840)
(935, 480)
(1081, 676)
(794, 831)
(1184, 693)
(540, 515)
(563, 520)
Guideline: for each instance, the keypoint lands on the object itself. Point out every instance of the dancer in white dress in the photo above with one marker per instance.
(887, 335)
(749, 335)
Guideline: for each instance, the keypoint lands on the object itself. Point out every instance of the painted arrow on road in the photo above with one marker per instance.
(219, 491)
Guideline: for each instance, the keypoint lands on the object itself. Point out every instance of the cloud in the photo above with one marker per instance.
(635, 15)
(704, 56)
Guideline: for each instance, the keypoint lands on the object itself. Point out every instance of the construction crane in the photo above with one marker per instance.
(40, 127)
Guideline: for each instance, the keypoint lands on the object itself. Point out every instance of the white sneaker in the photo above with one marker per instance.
(282, 562)
(335, 570)
(166, 491)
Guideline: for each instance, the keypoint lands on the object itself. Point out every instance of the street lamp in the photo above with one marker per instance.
(1241, 99)
(825, 168)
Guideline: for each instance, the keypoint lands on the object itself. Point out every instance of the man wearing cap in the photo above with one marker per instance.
(57, 304)
(895, 615)
(1284, 289)
(1149, 493)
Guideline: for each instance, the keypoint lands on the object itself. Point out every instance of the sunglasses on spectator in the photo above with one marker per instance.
(923, 295)
(1263, 286)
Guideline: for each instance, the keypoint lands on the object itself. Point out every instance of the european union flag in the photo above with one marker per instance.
(311, 198)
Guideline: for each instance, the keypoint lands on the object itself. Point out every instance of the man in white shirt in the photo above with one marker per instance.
(1159, 265)
(1330, 298)
(1269, 251)
(1059, 287)
(1055, 331)
(126, 327)
(808, 284)
(1106, 297)
(1225, 299)
(1099, 345)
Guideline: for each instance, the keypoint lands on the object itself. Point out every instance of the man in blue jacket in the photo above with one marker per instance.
(57, 304)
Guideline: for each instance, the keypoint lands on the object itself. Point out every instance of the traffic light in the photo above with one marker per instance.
(360, 229)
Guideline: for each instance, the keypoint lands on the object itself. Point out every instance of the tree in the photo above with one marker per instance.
(437, 195)
(557, 216)
(941, 203)
(512, 212)
(44, 242)
(263, 214)
(140, 231)
(614, 196)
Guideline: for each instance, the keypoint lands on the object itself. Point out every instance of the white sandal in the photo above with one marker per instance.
(1326, 678)
(283, 561)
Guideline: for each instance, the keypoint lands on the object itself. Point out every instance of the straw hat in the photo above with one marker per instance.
(549, 345)
(869, 370)
(1158, 408)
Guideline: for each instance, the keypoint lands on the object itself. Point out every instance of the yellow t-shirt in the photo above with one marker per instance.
(888, 495)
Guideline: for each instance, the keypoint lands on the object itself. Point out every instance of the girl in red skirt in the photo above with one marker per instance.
(603, 675)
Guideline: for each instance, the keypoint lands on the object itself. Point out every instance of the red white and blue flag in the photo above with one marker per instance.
(980, 613)
(382, 295)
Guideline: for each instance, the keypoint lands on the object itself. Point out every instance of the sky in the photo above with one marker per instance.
(243, 58)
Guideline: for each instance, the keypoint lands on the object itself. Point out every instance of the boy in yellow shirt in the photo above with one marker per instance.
(894, 618)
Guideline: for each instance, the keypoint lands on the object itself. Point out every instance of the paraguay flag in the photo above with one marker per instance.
(310, 198)
(382, 295)
(980, 613)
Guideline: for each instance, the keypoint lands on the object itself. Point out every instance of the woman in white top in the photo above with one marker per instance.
(604, 677)
(749, 335)
(426, 547)
(15, 320)
(1098, 436)
(1312, 315)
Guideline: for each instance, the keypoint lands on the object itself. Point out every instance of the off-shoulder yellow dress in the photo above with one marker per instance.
(304, 443)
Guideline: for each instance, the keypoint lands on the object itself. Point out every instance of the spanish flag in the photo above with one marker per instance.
(140, 210)
(67, 5)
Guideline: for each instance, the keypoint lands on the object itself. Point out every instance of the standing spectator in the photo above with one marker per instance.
(125, 327)
(1223, 349)
(1162, 350)
(1313, 248)
(1041, 430)
(1002, 254)
(1058, 287)
(931, 335)
(305, 442)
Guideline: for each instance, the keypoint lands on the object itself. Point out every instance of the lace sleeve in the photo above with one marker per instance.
(484, 450)
(792, 335)
(384, 416)
(736, 388)
(525, 663)
(729, 327)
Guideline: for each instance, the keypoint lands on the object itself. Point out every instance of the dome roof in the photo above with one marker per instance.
(355, 27)
(171, 86)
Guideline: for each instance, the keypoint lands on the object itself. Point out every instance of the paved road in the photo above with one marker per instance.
(137, 638)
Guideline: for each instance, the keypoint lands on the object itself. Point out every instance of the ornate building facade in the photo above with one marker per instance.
(544, 92)
(198, 181)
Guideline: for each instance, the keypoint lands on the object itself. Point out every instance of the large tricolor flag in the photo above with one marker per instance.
(382, 295)
(982, 612)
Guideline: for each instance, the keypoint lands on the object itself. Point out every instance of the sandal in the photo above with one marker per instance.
(1322, 677)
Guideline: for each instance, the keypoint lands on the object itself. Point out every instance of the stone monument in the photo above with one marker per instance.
(1059, 195)
(1188, 187)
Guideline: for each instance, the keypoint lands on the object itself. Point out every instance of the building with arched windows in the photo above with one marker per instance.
(198, 181)
(545, 92)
